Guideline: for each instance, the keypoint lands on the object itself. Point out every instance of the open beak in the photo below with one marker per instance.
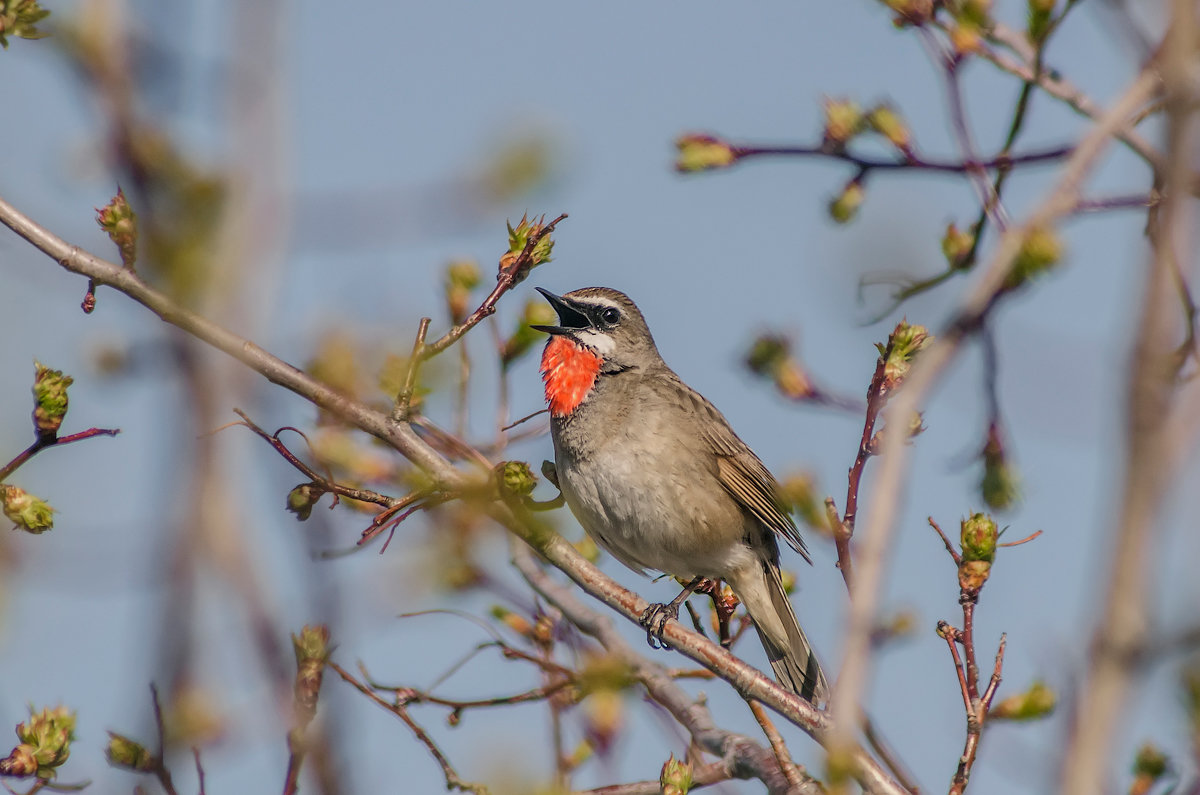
(570, 318)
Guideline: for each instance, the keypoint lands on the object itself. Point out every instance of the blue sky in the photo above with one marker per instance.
(401, 103)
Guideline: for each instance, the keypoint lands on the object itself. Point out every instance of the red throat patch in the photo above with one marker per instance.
(569, 371)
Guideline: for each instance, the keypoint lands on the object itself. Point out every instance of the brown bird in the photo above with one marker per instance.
(657, 477)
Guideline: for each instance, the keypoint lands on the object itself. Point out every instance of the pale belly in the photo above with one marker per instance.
(655, 513)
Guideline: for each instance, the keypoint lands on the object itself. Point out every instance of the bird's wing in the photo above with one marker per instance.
(744, 476)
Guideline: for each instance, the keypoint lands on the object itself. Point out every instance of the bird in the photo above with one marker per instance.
(657, 477)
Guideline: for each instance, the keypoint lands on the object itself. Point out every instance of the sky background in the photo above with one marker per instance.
(370, 124)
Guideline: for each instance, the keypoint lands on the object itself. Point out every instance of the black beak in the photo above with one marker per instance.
(570, 317)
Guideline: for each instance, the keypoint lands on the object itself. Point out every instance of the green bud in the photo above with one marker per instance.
(514, 621)
(49, 399)
(1040, 14)
(604, 672)
(702, 153)
(1035, 703)
(676, 777)
(843, 120)
(25, 510)
(303, 498)
(886, 121)
(461, 277)
(767, 354)
(844, 206)
(1190, 684)
(536, 313)
(519, 236)
(586, 546)
(956, 245)
(1149, 766)
(910, 12)
(1040, 251)
(972, 12)
(19, 18)
(312, 644)
(1000, 486)
(978, 539)
(903, 345)
(799, 493)
(515, 478)
(129, 754)
(48, 734)
(119, 221)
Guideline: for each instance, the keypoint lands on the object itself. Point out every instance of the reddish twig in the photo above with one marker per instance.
(912, 162)
(46, 441)
(453, 781)
(843, 531)
(160, 764)
(508, 277)
(975, 718)
(778, 746)
(945, 540)
(199, 768)
(326, 483)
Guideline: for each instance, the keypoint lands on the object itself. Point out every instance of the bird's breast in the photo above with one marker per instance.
(569, 371)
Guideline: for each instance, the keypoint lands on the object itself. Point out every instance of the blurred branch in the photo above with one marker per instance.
(926, 372)
(1152, 453)
(453, 780)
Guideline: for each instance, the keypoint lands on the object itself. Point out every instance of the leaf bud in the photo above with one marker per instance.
(1035, 703)
(697, 152)
(119, 221)
(49, 399)
(25, 510)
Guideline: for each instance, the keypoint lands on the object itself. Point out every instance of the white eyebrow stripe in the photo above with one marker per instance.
(599, 300)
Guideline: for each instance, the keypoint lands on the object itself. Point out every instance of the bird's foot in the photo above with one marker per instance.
(654, 619)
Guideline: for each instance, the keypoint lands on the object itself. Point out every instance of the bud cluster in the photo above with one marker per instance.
(978, 539)
(49, 400)
(904, 343)
(515, 478)
(518, 237)
(26, 511)
(45, 744)
(675, 777)
(19, 18)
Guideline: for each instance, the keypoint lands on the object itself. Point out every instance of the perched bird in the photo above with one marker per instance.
(657, 477)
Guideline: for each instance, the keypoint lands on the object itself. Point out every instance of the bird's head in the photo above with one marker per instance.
(599, 331)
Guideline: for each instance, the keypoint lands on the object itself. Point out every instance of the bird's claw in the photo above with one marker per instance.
(654, 619)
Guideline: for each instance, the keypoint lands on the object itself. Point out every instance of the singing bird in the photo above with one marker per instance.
(657, 477)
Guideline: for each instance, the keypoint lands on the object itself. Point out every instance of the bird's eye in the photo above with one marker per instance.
(610, 316)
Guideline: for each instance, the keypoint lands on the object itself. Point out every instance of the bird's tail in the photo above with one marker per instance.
(791, 655)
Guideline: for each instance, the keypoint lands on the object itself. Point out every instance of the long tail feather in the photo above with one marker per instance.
(795, 665)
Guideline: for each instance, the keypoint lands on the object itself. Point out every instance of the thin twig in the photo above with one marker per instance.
(453, 780)
(782, 755)
(402, 408)
(48, 441)
(927, 370)
(327, 483)
(506, 279)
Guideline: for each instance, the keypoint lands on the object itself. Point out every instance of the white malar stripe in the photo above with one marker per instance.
(598, 341)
